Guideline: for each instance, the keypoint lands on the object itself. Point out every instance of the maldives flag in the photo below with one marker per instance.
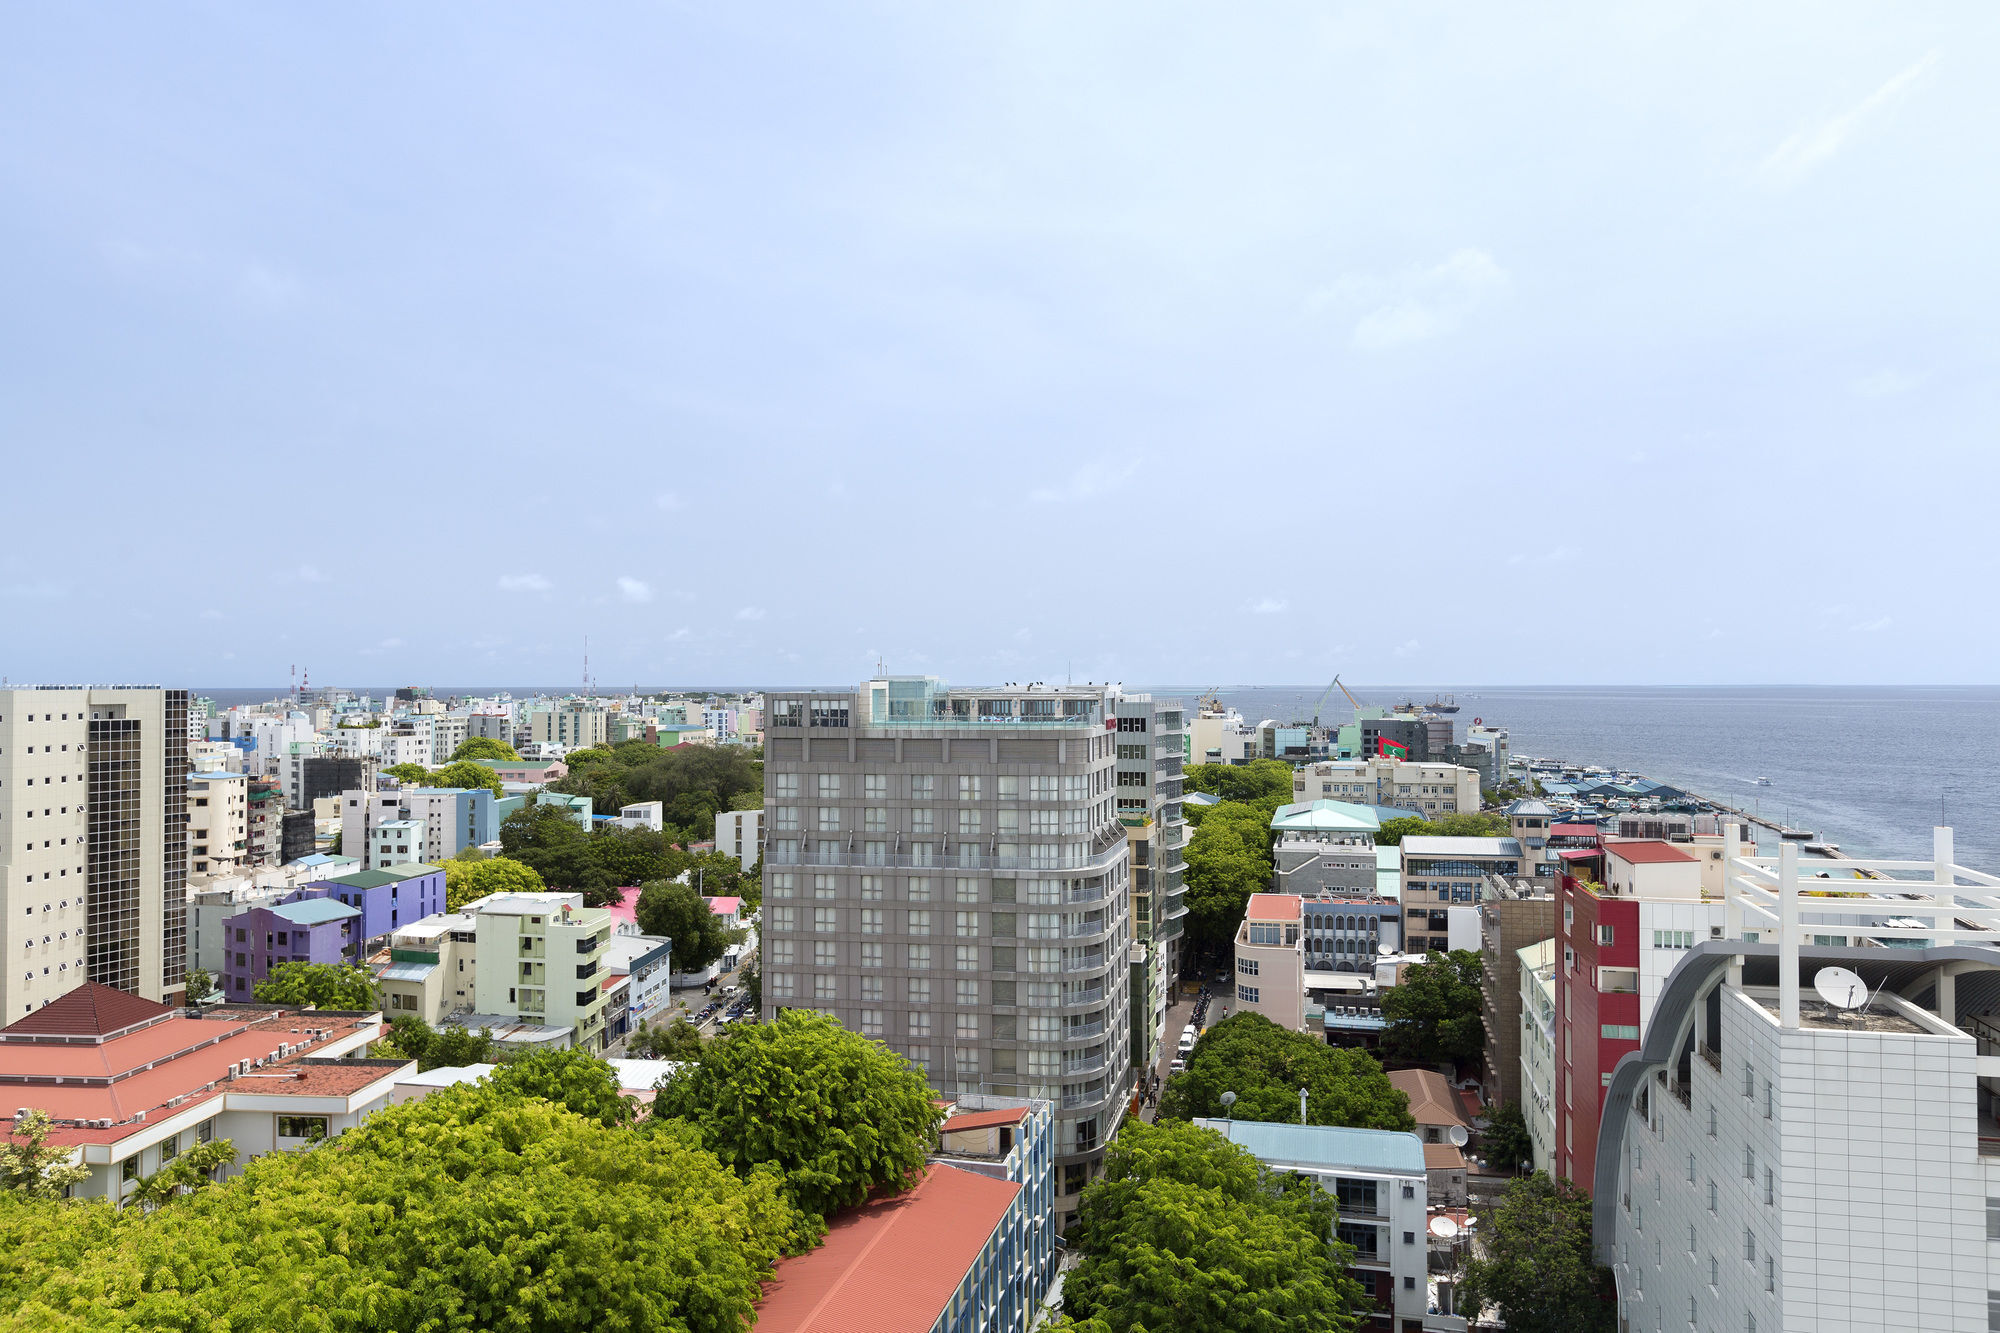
(1393, 748)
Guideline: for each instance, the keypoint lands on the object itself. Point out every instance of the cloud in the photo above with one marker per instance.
(1886, 383)
(751, 613)
(310, 574)
(681, 635)
(1087, 482)
(524, 583)
(634, 590)
(1416, 304)
(1798, 156)
(1406, 647)
(1267, 606)
(669, 501)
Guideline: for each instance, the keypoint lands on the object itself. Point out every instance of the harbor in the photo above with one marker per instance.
(1595, 794)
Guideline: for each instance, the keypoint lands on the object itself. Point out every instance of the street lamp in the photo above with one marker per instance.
(1302, 1103)
(1228, 1100)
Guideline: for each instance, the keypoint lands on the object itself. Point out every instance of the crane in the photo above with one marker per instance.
(1329, 690)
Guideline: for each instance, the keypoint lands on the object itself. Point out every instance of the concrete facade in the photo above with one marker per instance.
(1426, 790)
(1510, 920)
(944, 870)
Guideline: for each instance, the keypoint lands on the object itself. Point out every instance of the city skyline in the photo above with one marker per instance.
(579, 322)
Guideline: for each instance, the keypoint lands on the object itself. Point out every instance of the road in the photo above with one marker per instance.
(1180, 1012)
(682, 1003)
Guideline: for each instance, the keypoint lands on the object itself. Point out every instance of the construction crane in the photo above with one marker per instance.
(1329, 690)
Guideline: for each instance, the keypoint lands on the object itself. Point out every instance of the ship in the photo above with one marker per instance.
(1442, 703)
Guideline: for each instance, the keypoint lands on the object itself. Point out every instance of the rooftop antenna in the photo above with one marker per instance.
(1842, 988)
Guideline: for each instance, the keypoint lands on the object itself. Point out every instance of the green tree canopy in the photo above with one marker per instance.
(1505, 1139)
(1471, 824)
(1265, 1066)
(410, 774)
(473, 1209)
(691, 782)
(483, 747)
(1187, 1232)
(33, 1168)
(1539, 1268)
(339, 986)
(1228, 859)
(464, 773)
(679, 1040)
(839, 1114)
(1260, 780)
(668, 907)
(576, 1080)
(1435, 1013)
(467, 880)
(449, 1047)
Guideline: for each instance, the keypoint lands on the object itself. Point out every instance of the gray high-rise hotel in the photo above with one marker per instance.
(946, 870)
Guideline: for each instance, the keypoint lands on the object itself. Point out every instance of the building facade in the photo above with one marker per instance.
(1270, 960)
(1513, 917)
(740, 833)
(1426, 790)
(93, 842)
(1152, 743)
(944, 870)
(1539, 1072)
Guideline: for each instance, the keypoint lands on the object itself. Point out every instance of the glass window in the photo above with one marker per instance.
(299, 1127)
(922, 787)
(871, 921)
(919, 923)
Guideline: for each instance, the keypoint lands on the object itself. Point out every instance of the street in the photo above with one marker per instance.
(1180, 1012)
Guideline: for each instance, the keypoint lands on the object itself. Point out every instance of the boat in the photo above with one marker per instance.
(1798, 835)
(1763, 782)
(1443, 703)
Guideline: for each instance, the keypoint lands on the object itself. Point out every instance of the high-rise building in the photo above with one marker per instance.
(944, 870)
(1152, 746)
(93, 842)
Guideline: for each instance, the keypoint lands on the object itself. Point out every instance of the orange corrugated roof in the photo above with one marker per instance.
(1646, 853)
(90, 1010)
(891, 1265)
(1011, 1115)
(1274, 907)
(1443, 1157)
(1431, 1100)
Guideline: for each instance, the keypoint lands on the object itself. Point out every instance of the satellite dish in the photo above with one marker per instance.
(1459, 1136)
(1443, 1228)
(1385, 950)
(1841, 987)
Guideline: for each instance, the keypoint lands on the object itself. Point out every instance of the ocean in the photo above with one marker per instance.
(1873, 769)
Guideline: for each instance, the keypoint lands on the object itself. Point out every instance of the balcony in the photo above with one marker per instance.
(1080, 929)
(1083, 1064)
(1084, 999)
(1084, 1031)
(1088, 893)
(1089, 961)
(533, 948)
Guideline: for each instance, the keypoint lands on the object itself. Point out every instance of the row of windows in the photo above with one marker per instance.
(924, 786)
(971, 822)
(921, 957)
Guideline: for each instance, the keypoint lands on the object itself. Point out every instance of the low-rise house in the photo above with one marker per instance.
(312, 930)
(1270, 960)
(1443, 1125)
(131, 1084)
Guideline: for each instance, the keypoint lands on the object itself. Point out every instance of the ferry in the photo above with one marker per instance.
(1763, 782)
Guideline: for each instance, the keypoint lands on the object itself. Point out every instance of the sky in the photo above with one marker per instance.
(1523, 344)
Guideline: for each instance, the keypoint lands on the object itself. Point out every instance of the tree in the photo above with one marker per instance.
(1470, 824)
(1186, 1232)
(339, 986)
(483, 747)
(472, 1209)
(677, 1041)
(449, 1047)
(573, 1079)
(1228, 859)
(466, 775)
(1393, 831)
(415, 775)
(199, 984)
(1539, 1268)
(466, 880)
(1265, 1066)
(1434, 1014)
(1258, 780)
(1505, 1139)
(30, 1168)
(839, 1114)
(193, 1169)
(675, 910)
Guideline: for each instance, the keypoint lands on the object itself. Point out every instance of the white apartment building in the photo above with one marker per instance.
(1426, 790)
(571, 726)
(944, 869)
(740, 833)
(1270, 960)
(448, 732)
(93, 842)
(358, 740)
(1378, 1176)
(396, 842)
(1769, 1160)
(1539, 1070)
(218, 831)
(292, 769)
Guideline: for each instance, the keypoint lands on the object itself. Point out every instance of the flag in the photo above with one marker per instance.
(1394, 749)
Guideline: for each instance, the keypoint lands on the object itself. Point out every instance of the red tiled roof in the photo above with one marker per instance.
(1580, 853)
(1012, 1115)
(1443, 1157)
(1431, 1099)
(891, 1265)
(627, 906)
(1274, 907)
(1647, 853)
(90, 1010)
(1572, 830)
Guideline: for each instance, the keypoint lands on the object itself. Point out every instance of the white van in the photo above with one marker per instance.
(1187, 1041)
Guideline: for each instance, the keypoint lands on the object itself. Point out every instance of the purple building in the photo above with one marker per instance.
(387, 899)
(315, 930)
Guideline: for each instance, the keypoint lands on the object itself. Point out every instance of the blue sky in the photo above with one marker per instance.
(1506, 344)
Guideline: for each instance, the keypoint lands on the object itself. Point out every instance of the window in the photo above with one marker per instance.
(920, 955)
(871, 987)
(875, 819)
(1767, 1099)
(919, 923)
(967, 957)
(967, 992)
(968, 823)
(871, 954)
(966, 891)
(1604, 934)
(920, 888)
(826, 918)
(968, 1026)
(871, 1022)
(969, 787)
(824, 988)
(787, 785)
(1711, 1120)
(780, 985)
(1770, 1186)
(1749, 1162)
(129, 1168)
(1711, 1194)
(1714, 1271)
(298, 1127)
(1749, 1080)
(967, 924)
(829, 818)
(1247, 966)
(1569, 916)
(1993, 1219)
(785, 818)
(871, 921)
(1619, 1031)
(1749, 1245)
(1247, 994)
(828, 786)
(875, 786)
(1042, 788)
(1355, 1195)
(825, 953)
(922, 786)
(826, 886)
(871, 888)
(920, 990)
(784, 918)
(782, 952)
